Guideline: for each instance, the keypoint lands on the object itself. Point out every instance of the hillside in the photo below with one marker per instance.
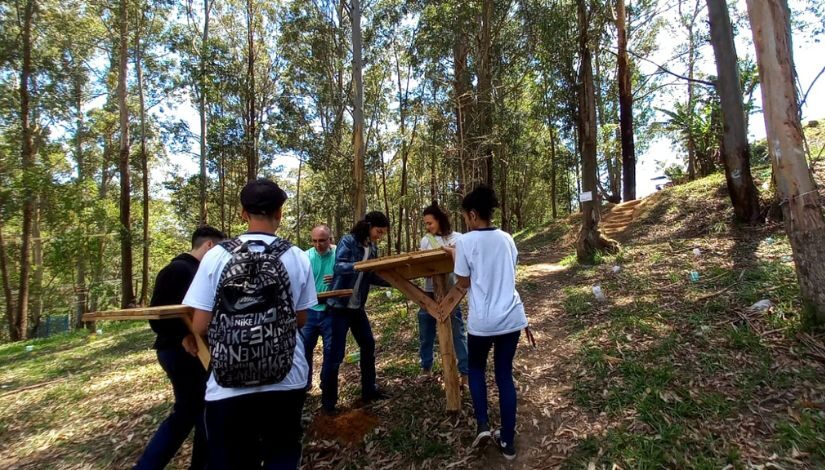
(666, 371)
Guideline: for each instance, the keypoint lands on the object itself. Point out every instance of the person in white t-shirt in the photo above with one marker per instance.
(439, 234)
(485, 263)
(258, 425)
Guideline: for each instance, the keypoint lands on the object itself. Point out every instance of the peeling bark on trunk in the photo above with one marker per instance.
(801, 206)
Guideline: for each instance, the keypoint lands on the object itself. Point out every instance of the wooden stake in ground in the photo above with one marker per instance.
(801, 207)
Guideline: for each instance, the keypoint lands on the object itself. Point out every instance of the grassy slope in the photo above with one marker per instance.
(666, 372)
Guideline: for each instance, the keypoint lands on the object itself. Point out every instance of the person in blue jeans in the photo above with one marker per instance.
(185, 371)
(439, 234)
(485, 264)
(348, 313)
(322, 259)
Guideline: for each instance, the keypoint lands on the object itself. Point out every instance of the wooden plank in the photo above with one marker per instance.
(403, 259)
(128, 316)
(335, 293)
(409, 289)
(203, 349)
(449, 363)
(432, 268)
(449, 302)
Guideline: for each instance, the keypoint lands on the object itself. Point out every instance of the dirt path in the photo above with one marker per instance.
(548, 422)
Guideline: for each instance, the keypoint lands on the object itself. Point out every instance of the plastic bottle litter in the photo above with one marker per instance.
(761, 306)
(599, 294)
(697, 252)
(353, 357)
(694, 276)
(616, 269)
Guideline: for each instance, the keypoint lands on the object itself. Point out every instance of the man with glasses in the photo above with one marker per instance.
(319, 323)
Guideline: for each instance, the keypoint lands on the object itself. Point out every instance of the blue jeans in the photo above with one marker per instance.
(426, 338)
(504, 350)
(343, 320)
(319, 323)
(256, 429)
(188, 379)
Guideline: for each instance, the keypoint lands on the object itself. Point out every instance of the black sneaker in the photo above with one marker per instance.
(482, 434)
(376, 395)
(507, 450)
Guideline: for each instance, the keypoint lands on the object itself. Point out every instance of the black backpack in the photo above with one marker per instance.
(253, 329)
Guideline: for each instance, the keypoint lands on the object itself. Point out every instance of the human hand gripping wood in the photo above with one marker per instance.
(398, 270)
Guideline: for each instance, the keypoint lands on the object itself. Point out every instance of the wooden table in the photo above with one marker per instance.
(398, 270)
(183, 312)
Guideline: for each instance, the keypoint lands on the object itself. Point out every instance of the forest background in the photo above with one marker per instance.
(140, 119)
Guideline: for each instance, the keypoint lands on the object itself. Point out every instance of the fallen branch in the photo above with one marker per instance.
(32, 387)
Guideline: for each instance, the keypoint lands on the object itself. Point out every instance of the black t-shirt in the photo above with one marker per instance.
(170, 288)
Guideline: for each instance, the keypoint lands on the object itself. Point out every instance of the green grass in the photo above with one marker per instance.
(806, 433)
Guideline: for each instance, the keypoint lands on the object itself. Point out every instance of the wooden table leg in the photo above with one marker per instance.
(449, 364)
(203, 349)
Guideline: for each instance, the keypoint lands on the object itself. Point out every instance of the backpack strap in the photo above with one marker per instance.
(278, 247)
(231, 245)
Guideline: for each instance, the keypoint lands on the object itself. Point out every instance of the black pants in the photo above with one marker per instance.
(356, 321)
(247, 431)
(188, 379)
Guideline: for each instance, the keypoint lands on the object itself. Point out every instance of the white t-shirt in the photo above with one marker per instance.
(201, 295)
(489, 257)
(426, 244)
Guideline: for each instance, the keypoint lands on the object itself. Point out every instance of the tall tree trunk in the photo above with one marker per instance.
(735, 148)
(505, 208)
(485, 92)
(625, 107)
(7, 294)
(590, 239)
(298, 202)
(81, 289)
(252, 132)
(204, 217)
(384, 189)
(461, 90)
(36, 307)
(691, 139)
(127, 298)
(801, 207)
(144, 168)
(359, 202)
(553, 195)
(27, 163)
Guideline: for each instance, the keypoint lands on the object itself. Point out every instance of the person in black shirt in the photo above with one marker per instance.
(175, 346)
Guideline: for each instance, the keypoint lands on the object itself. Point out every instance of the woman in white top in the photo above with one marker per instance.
(485, 264)
(439, 234)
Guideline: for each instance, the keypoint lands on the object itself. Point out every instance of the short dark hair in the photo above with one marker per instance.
(262, 197)
(483, 200)
(361, 230)
(205, 233)
(444, 227)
